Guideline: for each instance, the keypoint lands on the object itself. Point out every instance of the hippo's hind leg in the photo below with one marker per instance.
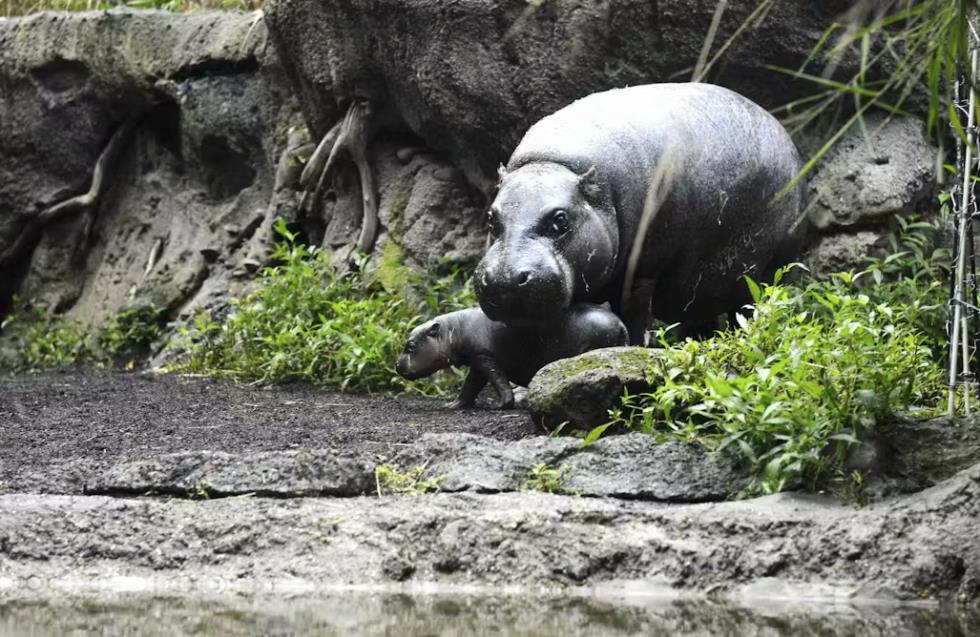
(475, 381)
(351, 134)
(636, 311)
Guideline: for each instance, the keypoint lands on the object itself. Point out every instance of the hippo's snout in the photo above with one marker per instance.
(522, 293)
(405, 369)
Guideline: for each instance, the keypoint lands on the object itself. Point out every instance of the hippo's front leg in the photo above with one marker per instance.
(636, 312)
(475, 381)
(488, 366)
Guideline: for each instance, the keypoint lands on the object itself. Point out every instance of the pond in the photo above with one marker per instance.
(528, 613)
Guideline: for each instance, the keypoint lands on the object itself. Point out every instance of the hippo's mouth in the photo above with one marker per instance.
(404, 369)
(529, 312)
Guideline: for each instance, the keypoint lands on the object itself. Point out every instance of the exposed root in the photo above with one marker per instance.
(352, 134)
(86, 202)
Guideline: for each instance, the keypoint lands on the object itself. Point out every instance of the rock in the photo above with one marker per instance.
(842, 252)
(582, 390)
(915, 547)
(467, 462)
(864, 180)
(635, 466)
(632, 466)
(909, 454)
(430, 223)
(207, 474)
(202, 158)
(469, 80)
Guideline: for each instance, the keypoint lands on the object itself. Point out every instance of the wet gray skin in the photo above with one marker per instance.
(573, 195)
(553, 240)
(501, 354)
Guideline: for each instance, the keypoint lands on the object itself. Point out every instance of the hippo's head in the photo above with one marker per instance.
(425, 353)
(554, 238)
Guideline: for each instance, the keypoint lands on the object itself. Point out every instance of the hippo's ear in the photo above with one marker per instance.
(588, 183)
(433, 330)
(501, 171)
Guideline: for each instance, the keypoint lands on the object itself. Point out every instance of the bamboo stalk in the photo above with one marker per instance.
(960, 321)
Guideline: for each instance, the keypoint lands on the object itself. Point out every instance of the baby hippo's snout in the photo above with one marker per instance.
(404, 367)
(425, 352)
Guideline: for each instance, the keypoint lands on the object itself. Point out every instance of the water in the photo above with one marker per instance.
(451, 615)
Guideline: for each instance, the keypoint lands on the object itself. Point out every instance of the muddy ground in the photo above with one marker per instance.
(51, 419)
(172, 485)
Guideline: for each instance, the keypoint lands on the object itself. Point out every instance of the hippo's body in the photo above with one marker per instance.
(574, 191)
(501, 354)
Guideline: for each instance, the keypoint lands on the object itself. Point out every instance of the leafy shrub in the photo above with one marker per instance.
(52, 341)
(915, 276)
(814, 369)
(342, 331)
(131, 330)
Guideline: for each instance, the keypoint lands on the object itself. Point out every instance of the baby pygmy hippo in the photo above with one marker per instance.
(498, 353)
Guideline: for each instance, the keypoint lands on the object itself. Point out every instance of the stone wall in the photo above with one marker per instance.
(227, 107)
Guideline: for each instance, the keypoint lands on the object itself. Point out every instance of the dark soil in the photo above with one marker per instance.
(57, 416)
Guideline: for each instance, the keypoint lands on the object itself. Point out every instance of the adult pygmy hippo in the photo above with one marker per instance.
(497, 353)
(705, 162)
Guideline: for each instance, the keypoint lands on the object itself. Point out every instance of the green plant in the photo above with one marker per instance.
(902, 48)
(201, 491)
(914, 275)
(51, 341)
(815, 368)
(390, 479)
(310, 322)
(131, 330)
(546, 479)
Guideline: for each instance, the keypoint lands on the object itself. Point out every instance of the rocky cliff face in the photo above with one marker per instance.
(209, 110)
(222, 110)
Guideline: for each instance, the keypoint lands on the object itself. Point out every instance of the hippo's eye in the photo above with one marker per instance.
(558, 222)
(493, 225)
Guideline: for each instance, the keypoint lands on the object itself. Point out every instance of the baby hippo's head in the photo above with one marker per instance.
(426, 352)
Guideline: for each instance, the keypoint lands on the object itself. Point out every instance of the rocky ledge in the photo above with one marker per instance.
(169, 481)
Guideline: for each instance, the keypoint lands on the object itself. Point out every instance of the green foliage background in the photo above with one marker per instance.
(308, 322)
(818, 366)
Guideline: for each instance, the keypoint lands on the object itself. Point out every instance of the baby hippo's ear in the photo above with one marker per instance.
(433, 330)
(588, 183)
(501, 171)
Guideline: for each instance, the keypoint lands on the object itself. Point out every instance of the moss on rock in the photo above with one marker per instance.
(582, 389)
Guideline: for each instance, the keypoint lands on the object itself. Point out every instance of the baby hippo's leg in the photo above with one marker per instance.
(492, 372)
(475, 381)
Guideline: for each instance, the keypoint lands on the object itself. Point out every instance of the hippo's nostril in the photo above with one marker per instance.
(523, 277)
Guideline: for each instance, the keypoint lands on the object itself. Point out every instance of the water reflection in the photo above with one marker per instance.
(452, 615)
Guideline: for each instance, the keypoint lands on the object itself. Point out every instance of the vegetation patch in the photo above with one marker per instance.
(50, 341)
(546, 479)
(310, 322)
(391, 480)
(816, 368)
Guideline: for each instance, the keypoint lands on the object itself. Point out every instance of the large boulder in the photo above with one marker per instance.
(470, 78)
(210, 109)
(886, 167)
(581, 390)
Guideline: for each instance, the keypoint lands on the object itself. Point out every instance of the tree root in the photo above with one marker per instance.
(86, 202)
(352, 134)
